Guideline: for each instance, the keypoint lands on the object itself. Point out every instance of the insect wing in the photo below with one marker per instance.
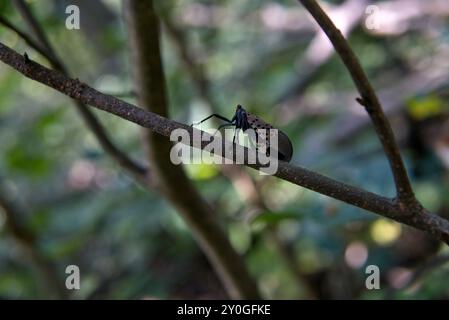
(256, 123)
(263, 135)
(260, 132)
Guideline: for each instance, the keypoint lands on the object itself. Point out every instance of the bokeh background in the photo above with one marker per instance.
(269, 56)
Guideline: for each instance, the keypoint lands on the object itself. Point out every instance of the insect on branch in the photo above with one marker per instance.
(422, 219)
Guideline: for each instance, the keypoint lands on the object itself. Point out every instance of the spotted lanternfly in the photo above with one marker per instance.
(245, 120)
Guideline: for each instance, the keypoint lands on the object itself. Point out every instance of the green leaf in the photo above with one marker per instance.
(49, 118)
(32, 162)
(276, 217)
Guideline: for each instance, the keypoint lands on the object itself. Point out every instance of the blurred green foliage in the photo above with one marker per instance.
(130, 243)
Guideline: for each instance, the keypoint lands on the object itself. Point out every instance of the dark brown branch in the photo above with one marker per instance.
(311, 66)
(248, 189)
(420, 219)
(44, 47)
(143, 28)
(33, 25)
(370, 101)
(30, 41)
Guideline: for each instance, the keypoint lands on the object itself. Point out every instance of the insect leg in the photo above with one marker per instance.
(222, 126)
(213, 115)
(236, 134)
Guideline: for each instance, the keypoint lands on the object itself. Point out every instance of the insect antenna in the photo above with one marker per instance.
(212, 115)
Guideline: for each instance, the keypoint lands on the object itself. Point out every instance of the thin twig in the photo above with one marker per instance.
(420, 219)
(428, 266)
(34, 26)
(370, 101)
(195, 70)
(30, 41)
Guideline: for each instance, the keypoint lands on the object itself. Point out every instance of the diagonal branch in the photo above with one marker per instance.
(415, 217)
(370, 101)
(44, 47)
(319, 51)
(35, 28)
